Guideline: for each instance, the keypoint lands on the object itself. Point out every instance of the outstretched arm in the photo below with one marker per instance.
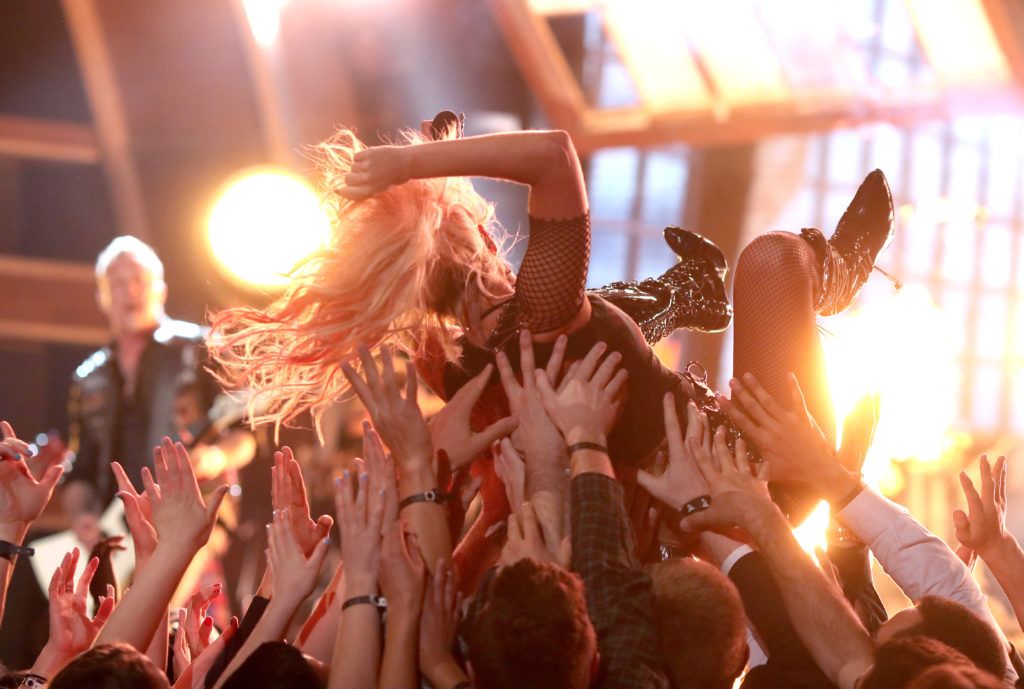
(546, 161)
(823, 619)
(983, 530)
(22, 498)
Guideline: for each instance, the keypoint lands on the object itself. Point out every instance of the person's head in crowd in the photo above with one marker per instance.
(130, 286)
(954, 625)
(188, 413)
(277, 664)
(701, 623)
(110, 666)
(956, 676)
(900, 661)
(529, 628)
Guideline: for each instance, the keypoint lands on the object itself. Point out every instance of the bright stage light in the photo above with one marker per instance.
(264, 19)
(899, 348)
(264, 221)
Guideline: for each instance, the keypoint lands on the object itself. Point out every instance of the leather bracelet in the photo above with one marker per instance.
(849, 497)
(597, 447)
(696, 505)
(379, 602)
(8, 550)
(841, 536)
(33, 681)
(433, 495)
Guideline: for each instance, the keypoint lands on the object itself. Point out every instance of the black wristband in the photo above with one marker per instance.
(849, 497)
(696, 505)
(378, 602)
(433, 495)
(597, 447)
(8, 550)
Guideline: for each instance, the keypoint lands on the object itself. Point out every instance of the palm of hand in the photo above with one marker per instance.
(536, 436)
(680, 483)
(71, 628)
(21, 498)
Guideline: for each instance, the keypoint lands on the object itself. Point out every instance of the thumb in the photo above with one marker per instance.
(51, 476)
(698, 521)
(213, 506)
(323, 526)
(648, 481)
(316, 560)
(497, 430)
(961, 523)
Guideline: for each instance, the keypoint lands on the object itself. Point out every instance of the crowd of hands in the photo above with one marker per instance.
(406, 555)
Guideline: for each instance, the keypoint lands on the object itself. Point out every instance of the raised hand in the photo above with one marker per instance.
(790, 440)
(526, 541)
(402, 570)
(295, 573)
(22, 496)
(72, 630)
(512, 471)
(536, 435)
(381, 481)
(375, 170)
(180, 516)
(196, 626)
(138, 512)
(682, 480)
(586, 399)
(731, 485)
(450, 430)
(396, 417)
(983, 526)
(360, 533)
(439, 623)
(288, 491)
(197, 666)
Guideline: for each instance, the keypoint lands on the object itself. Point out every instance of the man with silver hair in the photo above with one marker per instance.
(126, 396)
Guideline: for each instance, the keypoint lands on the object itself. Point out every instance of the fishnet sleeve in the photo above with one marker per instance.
(552, 279)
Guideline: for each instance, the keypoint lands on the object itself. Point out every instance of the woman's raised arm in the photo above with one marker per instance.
(545, 161)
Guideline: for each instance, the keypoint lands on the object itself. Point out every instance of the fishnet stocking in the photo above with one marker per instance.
(552, 279)
(777, 278)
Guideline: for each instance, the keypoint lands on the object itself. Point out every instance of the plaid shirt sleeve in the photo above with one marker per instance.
(619, 594)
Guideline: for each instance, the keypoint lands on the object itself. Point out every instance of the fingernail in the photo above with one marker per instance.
(346, 474)
(337, 481)
(381, 492)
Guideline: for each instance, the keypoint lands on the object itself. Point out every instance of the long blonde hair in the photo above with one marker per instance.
(396, 269)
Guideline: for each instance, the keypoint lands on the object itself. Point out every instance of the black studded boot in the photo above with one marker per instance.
(690, 294)
(848, 258)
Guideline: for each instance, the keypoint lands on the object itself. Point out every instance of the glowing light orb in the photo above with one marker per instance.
(902, 349)
(263, 223)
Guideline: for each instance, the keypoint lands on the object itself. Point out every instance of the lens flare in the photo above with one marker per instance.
(263, 223)
(901, 348)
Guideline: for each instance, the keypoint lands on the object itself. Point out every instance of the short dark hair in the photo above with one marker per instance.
(955, 625)
(529, 628)
(956, 676)
(274, 664)
(701, 623)
(110, 666)
(901, 660)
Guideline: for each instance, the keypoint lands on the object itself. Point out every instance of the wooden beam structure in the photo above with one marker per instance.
(544, 67)
(55, 301)
(1007, 20)
(66, 142)
(535, 48)
(97, 68)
